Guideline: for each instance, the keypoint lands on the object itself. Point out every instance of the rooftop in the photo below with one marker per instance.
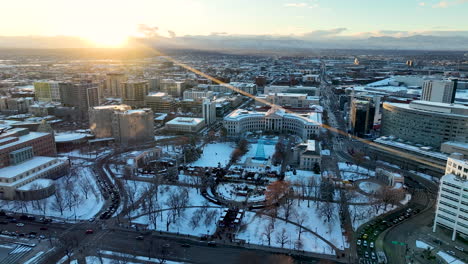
(185, 121)
(12, 171)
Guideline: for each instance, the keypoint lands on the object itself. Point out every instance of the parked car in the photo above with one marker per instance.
(460, 248)
(364, 243)
(371, 245)
(19, 224)
(212, 244)
(140, 238)
(185, 245)
(373, 255)
(359, 242)
(366, 254)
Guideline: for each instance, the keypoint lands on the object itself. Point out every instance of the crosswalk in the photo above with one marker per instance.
(16, 254)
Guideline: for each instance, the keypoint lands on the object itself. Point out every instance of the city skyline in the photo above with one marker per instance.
(305, 20)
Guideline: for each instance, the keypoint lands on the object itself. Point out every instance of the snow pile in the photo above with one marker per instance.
(449, 259)
(423, 245)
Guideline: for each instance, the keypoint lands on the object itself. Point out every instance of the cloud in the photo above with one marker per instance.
(296, 5)
(324, 33)
(218, 33)
(171, 33)
(148, 31)
(422, 4)
(445, 4)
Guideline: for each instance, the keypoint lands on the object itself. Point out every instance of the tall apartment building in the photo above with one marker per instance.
(439, 91)
(133, 126)
(171, 87)
(362, 116)
(82, 95)
(209, 111)
(41, 144)
(126, 126)
(113, 84)
(452, 201)
(160, 102)
(100, 119)
(134, 92)
(15, 105)
(47, 91)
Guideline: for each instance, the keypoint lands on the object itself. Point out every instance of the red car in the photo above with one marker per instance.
(89, 231)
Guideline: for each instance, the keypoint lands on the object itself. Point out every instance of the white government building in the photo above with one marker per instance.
(452, 201)
(275, 120)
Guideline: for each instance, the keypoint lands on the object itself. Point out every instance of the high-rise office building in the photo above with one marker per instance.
(134, 92)
(47, 91)
(160, 102)
(113, 84)
(452, 201)
(209, 111)
(133, 126)
(171, 87)
(362, 116)
(82, 95)
(439, 91)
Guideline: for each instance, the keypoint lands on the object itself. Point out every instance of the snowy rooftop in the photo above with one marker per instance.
(158, 94)
(185, 121)
(12, 171)
(312, 117)
(65, 137)
(25, 138)
(36, 184)
(383, 140)
(112, 107)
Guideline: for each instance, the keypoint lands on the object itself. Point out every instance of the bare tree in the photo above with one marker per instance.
(288, 205)
(85, 187)
(282, 237)
(69, 243)
(268, 231)
(300, 220)
(326, 209)
(59, 203)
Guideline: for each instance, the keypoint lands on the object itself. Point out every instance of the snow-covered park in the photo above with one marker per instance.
(76, 197)
(215, 153)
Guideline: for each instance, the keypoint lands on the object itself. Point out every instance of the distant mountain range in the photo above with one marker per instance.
(258, 44)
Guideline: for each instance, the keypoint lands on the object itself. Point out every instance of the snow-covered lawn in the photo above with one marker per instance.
(135, 189)
(369, 187)
(186, 223)
(354, 172)
(164, 194)
(214, 153)
(301, 176)
(233, 191)
(70, 196)
(256, 229)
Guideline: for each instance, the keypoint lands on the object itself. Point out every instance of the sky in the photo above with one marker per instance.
(110, 22)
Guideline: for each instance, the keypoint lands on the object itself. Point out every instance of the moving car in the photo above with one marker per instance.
(89, 231)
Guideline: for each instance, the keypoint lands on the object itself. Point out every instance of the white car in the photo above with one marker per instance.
(359, 242)
(19, 224)
(371, 245)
